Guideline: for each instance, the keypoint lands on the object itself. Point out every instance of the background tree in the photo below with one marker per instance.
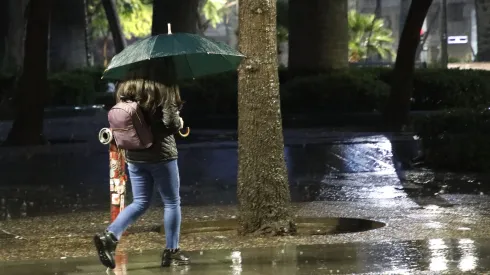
(214, 12)
(318, 35)
(368, 37)
(263, 189)
(135, 18)
(27, 128)
(12, 31)
(281, 23)
(398, 108)
(483, 29)
(114, 24)
(135, 21)
(183, 15)
(67, 48)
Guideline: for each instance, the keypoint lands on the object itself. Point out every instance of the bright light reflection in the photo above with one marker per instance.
(468, 259)
(387, 192)
(434, 225)
(437, 244)
(438, 261)
(121, 264)
(384, 143)
(236, 263)
(431, 207)
(398, 271)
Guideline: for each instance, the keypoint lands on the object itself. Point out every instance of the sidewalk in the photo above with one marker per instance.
(397, 257)
(409, 226)
(436, 224)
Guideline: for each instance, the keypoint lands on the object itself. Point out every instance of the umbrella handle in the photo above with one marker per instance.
(186, 134)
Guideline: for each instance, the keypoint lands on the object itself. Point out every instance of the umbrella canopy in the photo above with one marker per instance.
(192, 56)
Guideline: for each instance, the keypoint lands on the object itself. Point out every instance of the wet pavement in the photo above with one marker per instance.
(323, 167)
(72, 174)
(436, 223)
(434, 256)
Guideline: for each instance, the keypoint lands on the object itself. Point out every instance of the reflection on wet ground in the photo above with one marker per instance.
(437, 256)
(350, 168)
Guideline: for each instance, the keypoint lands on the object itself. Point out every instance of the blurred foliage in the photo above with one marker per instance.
(340, 91)
(77, 87)
(456, 140)
(350, 90)
(368, 36)
(135, 17)
(214, 11)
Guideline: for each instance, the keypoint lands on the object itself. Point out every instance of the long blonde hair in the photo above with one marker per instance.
(152, 86)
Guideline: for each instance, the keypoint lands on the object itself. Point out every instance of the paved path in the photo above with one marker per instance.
(435, 256)
(435, 224)
(73, 175)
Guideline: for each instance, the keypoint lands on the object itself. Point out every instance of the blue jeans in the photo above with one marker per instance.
(165, 175)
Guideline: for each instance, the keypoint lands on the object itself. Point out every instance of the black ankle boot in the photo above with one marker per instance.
(174, 257)
(106, 248)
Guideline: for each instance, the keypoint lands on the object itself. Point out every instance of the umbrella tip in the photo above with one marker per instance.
(169, 26)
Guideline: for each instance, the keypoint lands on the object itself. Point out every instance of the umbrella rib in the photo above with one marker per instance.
(189, 64)
(226, 59)
(186, 59)
(119, 64)
(153, 46)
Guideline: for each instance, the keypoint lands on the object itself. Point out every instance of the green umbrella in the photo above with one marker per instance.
(192, 56)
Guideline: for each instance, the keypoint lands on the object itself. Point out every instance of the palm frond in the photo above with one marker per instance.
(367, 36)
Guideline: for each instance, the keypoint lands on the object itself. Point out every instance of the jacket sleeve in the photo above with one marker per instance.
(171, 119)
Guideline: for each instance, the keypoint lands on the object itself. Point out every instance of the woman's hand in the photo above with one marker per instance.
(181, 123)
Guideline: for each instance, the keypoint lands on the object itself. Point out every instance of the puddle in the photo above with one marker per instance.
(432, 256)
(305, 226)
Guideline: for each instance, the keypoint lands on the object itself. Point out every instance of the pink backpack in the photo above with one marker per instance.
(129, 128)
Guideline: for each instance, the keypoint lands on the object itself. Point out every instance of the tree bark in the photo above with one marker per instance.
(483, 28)
(398, 108)
(88, 40)
(114, 25)
(4, 30)
(318, 35)
(27, 128)
(263, 189)
(67, 49)
(181, 14)
(404, 7)
(13, 23)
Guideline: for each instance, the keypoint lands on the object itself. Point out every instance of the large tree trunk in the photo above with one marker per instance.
(483, 25)
(263, 189)
(398, 108)
(27, 128)
(12, 31)
(88, 40)
(67, 49)
(4, 31)
(181, 14)
(318, 35)
(114, 25)
(404, 7)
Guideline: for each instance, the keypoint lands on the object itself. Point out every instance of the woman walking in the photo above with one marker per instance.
(158, 96)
